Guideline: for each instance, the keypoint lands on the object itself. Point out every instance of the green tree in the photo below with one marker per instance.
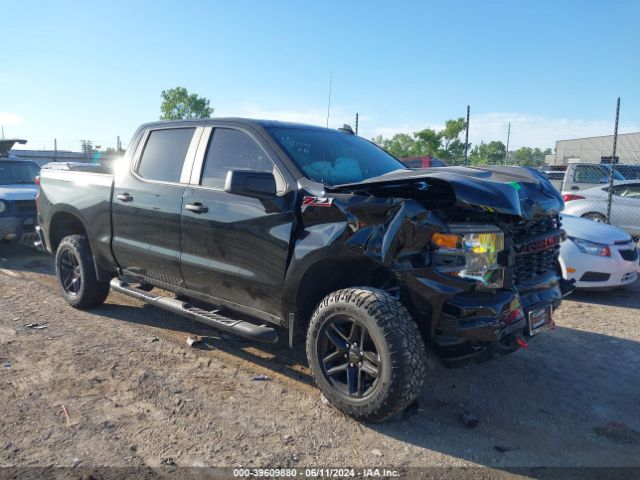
(178, 103)
(452, 131)
(427, 142)
(400, 145)
(454, 154)
(526, 156)
(491, 153)
(87, 147)
(522, 156)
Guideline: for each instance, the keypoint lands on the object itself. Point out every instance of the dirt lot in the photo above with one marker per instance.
(136, 394)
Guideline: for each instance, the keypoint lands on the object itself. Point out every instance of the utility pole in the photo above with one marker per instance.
(506, 154)
(118, 145)
(613, 164)
(466, 139)
(55, 149)
(356, 123)
(3, 132)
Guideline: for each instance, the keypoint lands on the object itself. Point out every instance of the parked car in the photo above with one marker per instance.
(261, 226)
(592, 204)
(425, 161)
(556, 177)
(597, 255)
(18, 191)
(580, 176)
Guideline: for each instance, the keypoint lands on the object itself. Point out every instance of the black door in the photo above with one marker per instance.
(147, 204)
(234, 247)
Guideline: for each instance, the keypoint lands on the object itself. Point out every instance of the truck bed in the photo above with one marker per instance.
(83, 190)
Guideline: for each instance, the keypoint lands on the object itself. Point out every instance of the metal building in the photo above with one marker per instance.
(596, 150)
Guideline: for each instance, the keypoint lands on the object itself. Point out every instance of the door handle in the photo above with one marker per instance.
(575, 188)
(124, 197)
(196, 207)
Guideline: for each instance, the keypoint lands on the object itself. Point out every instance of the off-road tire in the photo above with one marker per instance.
(595, 216)
(91, 291)
(403, 358)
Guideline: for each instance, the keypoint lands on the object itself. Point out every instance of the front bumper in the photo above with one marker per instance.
(586, 269)
(469, 326)
(15, 229)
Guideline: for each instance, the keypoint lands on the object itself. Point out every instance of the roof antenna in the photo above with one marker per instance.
(326, 133)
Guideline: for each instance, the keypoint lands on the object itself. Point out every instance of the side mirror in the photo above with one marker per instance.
(250, 184)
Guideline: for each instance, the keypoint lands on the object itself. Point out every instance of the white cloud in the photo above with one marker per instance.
(526, 130)
(8, 118)
(312, 116)
(405, 128)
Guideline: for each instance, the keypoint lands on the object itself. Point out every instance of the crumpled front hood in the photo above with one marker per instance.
(518, 191)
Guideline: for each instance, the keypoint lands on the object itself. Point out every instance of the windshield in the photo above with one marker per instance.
(332, 157)
(616, 175)
(18, 173)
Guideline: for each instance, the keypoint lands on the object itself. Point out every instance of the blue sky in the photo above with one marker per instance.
(95, 70)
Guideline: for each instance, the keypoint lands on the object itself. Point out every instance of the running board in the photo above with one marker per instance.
(244, 329)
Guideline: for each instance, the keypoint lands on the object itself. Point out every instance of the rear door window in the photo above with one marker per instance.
(589, 174)
(164, 154)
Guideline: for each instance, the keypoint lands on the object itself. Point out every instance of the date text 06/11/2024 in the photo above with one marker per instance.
(315, 473)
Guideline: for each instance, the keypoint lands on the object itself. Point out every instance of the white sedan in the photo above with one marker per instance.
(597, 255)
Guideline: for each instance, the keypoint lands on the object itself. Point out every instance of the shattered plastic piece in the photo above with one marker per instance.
(7, 365)
(36, 326)
(260, 378)
(194, 341)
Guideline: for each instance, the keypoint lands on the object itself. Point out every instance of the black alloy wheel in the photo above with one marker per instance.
(70, 273)
(349, 357)
(76, 272)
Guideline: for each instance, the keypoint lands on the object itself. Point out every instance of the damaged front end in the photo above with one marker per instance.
(471, 252)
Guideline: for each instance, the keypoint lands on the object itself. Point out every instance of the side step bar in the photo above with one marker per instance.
(244, 329)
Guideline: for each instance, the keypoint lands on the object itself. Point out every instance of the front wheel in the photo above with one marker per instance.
(366, 353)
(77, 274)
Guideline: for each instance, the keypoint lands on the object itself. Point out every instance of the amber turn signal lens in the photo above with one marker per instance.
(446, 240)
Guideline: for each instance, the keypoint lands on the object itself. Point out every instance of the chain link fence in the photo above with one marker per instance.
(599, 185)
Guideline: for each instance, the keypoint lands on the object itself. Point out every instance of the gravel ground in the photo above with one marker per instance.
(118, 386)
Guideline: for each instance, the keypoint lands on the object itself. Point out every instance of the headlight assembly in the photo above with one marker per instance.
(470, 252)
(591, 248)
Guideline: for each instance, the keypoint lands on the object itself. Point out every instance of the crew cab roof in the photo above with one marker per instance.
(234, 120)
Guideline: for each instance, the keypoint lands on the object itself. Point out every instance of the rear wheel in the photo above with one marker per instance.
(596, 217)
(77, 275)
(366, 353)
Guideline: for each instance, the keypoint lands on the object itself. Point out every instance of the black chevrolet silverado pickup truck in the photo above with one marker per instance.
(258, 227)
